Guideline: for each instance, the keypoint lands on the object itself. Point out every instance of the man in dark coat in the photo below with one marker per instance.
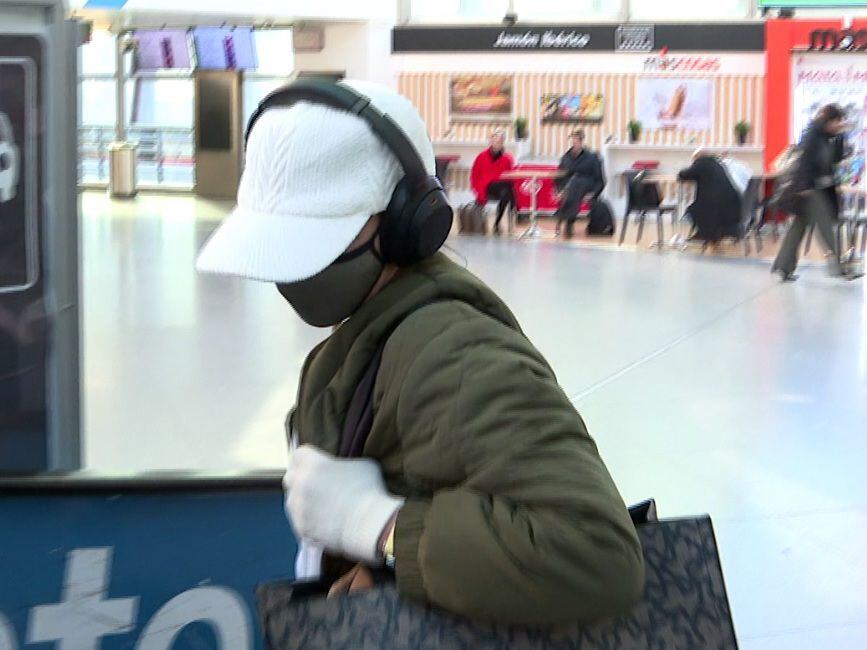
(583, 180)
(716, 211)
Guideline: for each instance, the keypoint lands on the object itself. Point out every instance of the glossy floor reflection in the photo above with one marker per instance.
(706, 383)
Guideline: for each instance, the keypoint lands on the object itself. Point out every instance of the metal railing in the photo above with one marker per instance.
(166, 155)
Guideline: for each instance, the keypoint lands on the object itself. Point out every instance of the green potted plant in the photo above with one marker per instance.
(521, 128)
(742, 130)
(634, 128)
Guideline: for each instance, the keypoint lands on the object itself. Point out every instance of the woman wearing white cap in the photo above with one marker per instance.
(477, 481)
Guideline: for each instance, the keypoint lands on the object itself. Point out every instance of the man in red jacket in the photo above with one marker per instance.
(487, 168)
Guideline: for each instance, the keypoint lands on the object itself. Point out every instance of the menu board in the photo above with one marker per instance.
(579, 107)
(671, 103)
(225, 48)
(481, 97)
(164, 49)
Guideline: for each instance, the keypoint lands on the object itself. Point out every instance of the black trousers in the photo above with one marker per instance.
(819, 208)
(503, 192)
(576, 189)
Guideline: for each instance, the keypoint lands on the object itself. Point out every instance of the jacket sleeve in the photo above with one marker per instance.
(839, 145)
(560, 183)
(600, 177)
(535, 532)
(809, 168)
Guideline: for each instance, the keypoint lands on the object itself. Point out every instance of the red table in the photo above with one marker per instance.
(531, 181)
(546, 200)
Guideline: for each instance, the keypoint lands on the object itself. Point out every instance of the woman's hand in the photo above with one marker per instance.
(341, 504)
(358, 579)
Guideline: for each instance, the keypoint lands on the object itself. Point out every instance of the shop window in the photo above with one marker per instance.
(161, 103)
(276, 64)
(98, 56)
(255, 90)
(160, 120)
(458, 10)
(98, 102)
(688, 10)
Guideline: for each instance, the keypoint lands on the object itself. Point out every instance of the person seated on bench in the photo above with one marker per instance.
(720, 185)
(582, 182)
(487, 168)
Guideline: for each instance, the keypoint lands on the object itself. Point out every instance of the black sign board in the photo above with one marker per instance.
(634, 38)
(23, 322)
(696, 37)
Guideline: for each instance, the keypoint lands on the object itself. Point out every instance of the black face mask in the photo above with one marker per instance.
(335, 293)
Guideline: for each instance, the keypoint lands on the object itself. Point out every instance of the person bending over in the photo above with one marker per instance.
(478, 483)
(487, 168)
(720, 187)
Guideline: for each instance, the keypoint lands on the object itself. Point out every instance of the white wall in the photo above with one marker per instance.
(362, 50)
(583, 62)
(380, 10)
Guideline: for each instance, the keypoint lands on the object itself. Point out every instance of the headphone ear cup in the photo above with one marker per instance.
(432, 221)
(416, 224)
(391, 236)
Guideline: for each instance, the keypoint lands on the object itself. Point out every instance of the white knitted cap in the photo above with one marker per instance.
(314, 175)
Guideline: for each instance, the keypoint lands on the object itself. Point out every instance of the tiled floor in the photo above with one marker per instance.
(706, 383)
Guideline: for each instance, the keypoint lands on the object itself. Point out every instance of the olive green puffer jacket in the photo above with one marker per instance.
(511, 515)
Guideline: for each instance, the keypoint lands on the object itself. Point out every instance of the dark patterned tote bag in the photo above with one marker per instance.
(684, 607)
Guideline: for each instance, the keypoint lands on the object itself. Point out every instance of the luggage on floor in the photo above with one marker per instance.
(601, 220)
(471, 219)
(684, 606)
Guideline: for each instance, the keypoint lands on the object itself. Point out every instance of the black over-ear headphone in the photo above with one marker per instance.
(418, 217)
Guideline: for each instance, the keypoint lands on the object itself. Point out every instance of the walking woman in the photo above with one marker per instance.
(814, 192)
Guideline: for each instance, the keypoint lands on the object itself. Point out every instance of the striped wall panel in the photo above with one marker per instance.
(736, 97)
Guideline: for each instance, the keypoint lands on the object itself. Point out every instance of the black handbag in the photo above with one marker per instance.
(684, 606)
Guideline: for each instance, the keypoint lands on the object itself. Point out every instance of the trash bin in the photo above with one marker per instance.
(122, 176)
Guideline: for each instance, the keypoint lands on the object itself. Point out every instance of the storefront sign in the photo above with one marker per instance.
(663, 62)
(684, 37)
(634, 38)
(161, 569)
(833, 40)
(542, 40)
(819, 79)
(811, 4)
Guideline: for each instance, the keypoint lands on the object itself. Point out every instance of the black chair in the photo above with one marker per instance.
(751, 219)
(643, 198)
(442, 170)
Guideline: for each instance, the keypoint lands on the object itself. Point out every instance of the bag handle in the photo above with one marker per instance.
(359, 415)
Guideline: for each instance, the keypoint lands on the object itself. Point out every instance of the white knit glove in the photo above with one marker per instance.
(340, 504)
